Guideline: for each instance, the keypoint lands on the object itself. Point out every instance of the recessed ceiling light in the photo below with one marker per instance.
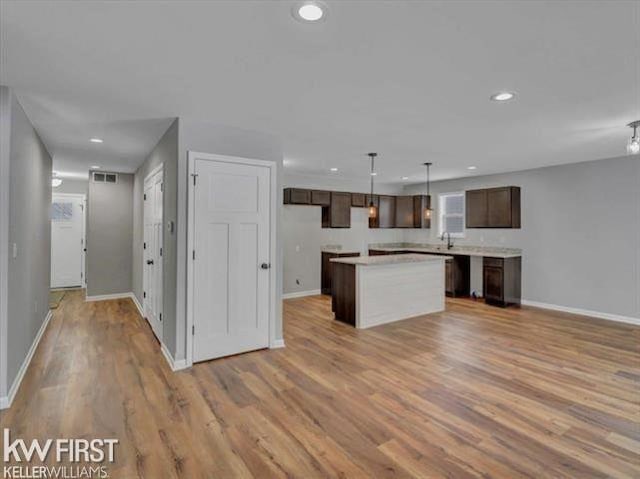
(472, 167)
(309, 11)
(95, 167)
(334, 169)
(503, 96)
(55, 182)
(95, 140)
(405, 177)
(374, 173)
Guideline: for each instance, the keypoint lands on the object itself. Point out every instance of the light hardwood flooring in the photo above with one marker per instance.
(475, 391)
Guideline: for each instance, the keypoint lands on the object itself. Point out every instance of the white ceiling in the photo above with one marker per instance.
(410, 80)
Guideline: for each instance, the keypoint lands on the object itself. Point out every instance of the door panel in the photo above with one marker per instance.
(67, 223)
(476, 209)
(499, 207)
(231, 241)
(153, 239)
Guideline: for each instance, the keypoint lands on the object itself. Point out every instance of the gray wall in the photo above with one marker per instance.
(303, 235)
(29, 228)
(110, 236)
(580, 233)
(72, 186)
(165, 153)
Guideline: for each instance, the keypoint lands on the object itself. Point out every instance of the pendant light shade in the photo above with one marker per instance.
(633, 146)
(428, 211)
(373, 209)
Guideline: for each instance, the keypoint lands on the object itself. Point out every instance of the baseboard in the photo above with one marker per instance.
(301, 294)
(583, 312)
(137, 303)
(174, 365)
(5, 401)
(277, 343)
(105, 297)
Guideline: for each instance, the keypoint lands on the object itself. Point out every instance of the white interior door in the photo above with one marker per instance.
(67, 241)
(231, 278)
(152, 280)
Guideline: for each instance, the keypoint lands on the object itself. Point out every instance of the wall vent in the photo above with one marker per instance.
(99, 177)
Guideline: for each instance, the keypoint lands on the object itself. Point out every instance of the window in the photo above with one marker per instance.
(451, 208)
(105, 177)
(61, 211)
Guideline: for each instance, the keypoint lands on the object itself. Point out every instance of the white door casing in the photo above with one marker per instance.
(230, 279)
(152, 250)
(67, 240)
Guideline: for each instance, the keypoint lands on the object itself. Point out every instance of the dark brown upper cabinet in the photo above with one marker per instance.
(410, 211)
(338, 213)
(320, 198)
(375, 199)
(493, 208)
(297, 196)
(358, 200)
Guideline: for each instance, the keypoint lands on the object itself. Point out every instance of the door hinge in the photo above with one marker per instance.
(144, 294)
(194, 254)
(160, 316)
(193, 329)
(81, 275)
(160, 251)
(144, 245)
(144, 197)
(162, 187)
(195, 175)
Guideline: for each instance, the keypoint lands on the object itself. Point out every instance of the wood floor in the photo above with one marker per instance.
(475, 391)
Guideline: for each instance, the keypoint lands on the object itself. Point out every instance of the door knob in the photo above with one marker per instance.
(149, 261)
(265, 266)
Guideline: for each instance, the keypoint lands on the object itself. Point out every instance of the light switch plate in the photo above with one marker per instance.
(15, 250)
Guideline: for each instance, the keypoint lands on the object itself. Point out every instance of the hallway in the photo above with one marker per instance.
(496, 392)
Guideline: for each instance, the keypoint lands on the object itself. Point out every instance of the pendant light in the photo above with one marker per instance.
(428, 210)
(373, 209)
(633, 146)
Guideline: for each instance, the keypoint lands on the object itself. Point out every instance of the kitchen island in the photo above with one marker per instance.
(371, 290)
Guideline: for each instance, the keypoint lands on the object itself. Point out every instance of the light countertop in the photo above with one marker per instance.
(481, 251)
(339, 251)
(389, 259)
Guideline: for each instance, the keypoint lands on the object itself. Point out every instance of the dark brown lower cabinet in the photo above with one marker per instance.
(343, 292)
(458, 276)
(326, 269)
(502, 280)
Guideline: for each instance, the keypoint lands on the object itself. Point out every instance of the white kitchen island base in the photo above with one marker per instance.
(374, 290)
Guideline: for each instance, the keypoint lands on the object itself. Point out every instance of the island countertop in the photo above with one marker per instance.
(390, 259)
(482, 251)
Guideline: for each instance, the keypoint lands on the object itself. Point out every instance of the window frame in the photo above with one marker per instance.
(442, 214)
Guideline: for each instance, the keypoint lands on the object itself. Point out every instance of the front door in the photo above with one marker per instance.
(153, 194)
(67, 238)
(231, 258)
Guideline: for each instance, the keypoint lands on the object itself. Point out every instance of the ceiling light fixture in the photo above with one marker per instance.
(96, 140)
(503, 96)
(633, 146)
(334, 169)
(427, 210)
(373, 209)
(55, 182)
(405, 177)
(472, 167)
(95, 167)
(309, 11)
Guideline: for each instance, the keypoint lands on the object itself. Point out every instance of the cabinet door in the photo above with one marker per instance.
(358, 200)
(420, 204)
(338, 213)
(320, 198)
(493, 283)
(499, 207)
(476, 209)
(449, 277)
(404, 212)
(387, 212)
(297, 196)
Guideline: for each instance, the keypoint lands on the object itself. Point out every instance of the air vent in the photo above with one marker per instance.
(105, 177)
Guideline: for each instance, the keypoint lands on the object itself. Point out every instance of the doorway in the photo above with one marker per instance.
(231, 228)
(68, 240)
(152, 249)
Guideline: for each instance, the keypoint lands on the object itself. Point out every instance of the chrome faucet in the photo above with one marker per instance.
(449, 243)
